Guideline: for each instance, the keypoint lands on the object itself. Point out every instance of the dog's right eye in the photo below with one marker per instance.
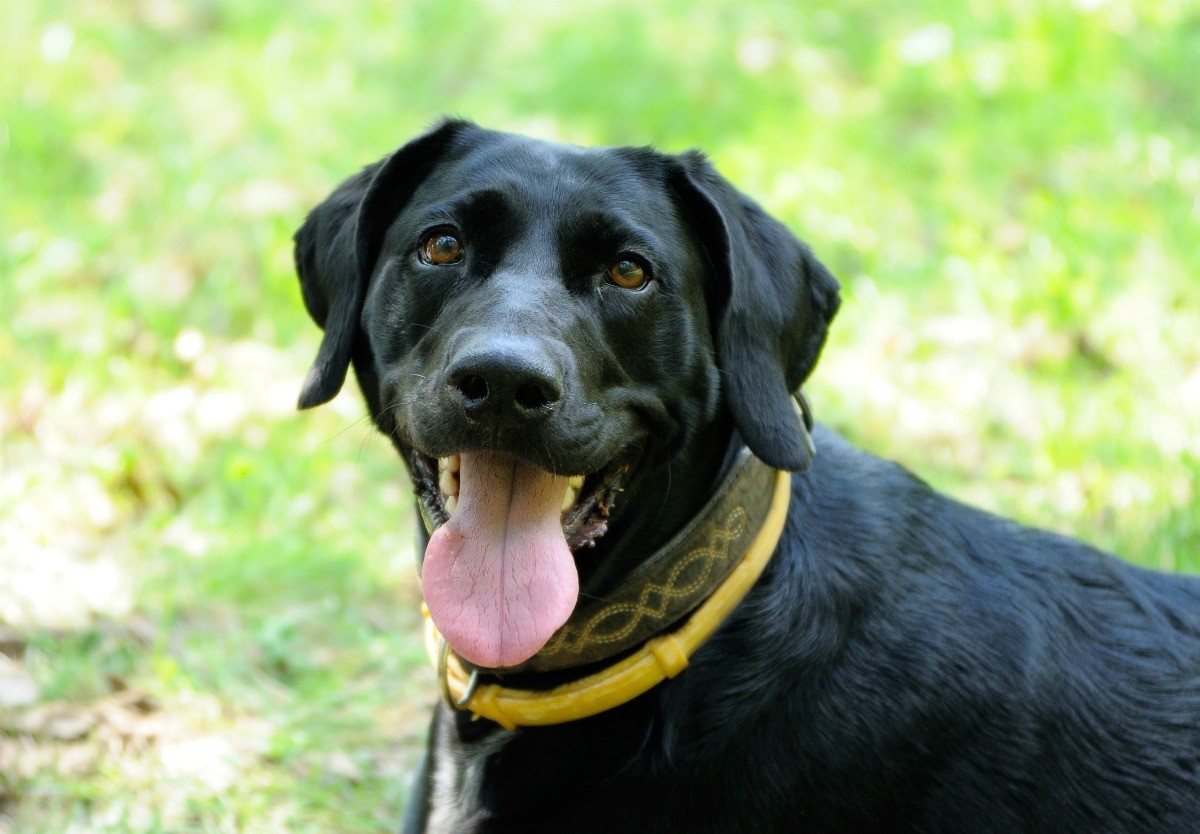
(628, 274)
(441, 246)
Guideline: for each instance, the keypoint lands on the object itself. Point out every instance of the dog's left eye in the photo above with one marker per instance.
(628, 274)
(441, 246)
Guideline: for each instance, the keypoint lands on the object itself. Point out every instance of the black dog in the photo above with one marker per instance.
(531, 313)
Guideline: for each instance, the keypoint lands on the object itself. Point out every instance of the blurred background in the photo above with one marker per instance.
(207, 601)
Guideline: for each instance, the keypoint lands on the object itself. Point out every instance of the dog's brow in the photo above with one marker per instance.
(481, 197)
(610, 231)
(468, 206)
(439, 215)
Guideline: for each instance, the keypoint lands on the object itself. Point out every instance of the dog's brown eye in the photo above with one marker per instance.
(441, 247)
(627, 274)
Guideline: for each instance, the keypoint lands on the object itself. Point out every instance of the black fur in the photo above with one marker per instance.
(906, 663)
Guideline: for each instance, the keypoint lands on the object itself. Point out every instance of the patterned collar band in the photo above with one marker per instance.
(672, 582)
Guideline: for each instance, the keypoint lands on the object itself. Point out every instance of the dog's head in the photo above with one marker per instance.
(537, 326)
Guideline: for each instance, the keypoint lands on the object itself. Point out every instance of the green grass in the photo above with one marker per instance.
(213, 597)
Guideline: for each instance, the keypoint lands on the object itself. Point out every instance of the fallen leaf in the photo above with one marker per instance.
(63, 722)
(17, 688)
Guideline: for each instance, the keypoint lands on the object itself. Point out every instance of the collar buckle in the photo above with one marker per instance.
(443, 680)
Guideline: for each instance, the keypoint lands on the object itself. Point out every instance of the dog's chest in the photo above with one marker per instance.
(456, 780)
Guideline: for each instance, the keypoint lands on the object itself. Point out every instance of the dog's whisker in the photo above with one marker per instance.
(353, 425)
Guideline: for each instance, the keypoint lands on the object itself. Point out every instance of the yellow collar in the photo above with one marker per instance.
(661, 657)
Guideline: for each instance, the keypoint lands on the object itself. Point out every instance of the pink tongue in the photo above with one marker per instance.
(498, 577)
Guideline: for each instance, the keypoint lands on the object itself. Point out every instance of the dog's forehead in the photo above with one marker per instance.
(539, 174)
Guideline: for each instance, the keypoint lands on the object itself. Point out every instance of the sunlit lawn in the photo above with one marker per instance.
(207, 601)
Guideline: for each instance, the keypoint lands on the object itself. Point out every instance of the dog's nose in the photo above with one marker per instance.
(509, 377)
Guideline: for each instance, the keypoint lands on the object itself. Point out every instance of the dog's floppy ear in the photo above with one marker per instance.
(338, 244)
(772, 309)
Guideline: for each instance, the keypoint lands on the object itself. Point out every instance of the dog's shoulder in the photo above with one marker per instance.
(1003, 643)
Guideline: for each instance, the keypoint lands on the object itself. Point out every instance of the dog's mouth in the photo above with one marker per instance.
(499, 575)
(586, 502)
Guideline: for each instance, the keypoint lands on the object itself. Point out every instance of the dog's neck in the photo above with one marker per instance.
(616, 647)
